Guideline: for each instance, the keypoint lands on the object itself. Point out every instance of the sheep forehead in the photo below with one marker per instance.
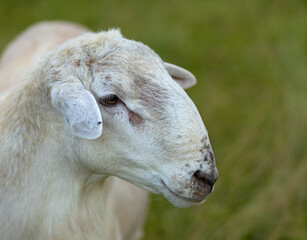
(133, 59)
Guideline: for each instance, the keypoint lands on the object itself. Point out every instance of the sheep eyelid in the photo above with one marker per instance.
(109, 101)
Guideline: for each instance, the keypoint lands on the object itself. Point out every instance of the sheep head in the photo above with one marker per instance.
(130, 117)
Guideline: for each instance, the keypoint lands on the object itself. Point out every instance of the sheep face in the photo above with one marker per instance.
(144, 127)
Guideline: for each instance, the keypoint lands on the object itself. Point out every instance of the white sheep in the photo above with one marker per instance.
(95, 106)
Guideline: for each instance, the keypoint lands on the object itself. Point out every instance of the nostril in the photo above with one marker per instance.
(207, 179)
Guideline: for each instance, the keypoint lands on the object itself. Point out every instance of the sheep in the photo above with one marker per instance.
(89, 122)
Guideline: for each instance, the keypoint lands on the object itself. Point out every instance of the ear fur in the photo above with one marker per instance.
(79, 107)
(182, 76)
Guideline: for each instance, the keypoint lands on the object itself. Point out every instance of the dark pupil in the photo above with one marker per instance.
(111, 99)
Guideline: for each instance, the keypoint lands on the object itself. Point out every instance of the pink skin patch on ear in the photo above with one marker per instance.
(134, 119)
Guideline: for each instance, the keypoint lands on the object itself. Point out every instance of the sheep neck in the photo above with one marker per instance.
(44, 175)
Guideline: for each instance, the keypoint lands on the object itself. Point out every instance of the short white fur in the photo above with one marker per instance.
(64, 156)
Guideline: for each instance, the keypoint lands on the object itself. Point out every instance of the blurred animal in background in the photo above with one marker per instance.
(85, 120)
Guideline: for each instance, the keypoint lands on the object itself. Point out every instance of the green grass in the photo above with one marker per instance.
(250, 58)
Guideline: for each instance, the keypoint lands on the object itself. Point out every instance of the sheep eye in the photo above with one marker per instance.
(109, 100)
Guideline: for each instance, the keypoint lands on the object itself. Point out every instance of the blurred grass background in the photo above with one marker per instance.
(250, 59)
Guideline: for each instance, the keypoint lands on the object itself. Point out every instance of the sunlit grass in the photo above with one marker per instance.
(250, 58)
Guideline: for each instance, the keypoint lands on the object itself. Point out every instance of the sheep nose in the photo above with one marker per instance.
(206, 179)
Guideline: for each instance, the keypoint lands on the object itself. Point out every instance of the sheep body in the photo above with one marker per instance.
(62, 145)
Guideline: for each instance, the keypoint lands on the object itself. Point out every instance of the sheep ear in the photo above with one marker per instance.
(182, 76)
(79, 107)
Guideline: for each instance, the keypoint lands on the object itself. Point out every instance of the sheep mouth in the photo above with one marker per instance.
(195, 200)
